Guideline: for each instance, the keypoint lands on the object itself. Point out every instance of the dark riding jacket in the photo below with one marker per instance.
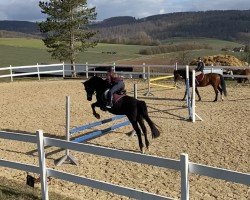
(112, 78)
(200, 66)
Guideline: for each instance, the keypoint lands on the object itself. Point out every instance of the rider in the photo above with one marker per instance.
(116, 84)
(200, 67)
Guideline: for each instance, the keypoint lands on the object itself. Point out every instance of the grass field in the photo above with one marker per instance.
(21, 51)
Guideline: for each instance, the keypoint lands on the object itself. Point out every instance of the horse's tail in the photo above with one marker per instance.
(223, 85)
(143, 111)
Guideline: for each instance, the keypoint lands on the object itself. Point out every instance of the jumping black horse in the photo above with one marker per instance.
(216, 80)
(135, 110)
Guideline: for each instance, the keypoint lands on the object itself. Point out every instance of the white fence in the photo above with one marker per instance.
(182, 165)
(63, 70)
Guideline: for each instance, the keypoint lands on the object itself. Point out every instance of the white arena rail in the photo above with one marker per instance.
(182, 165)
(65, 70)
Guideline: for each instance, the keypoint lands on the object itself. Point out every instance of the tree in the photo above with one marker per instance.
(65, 29)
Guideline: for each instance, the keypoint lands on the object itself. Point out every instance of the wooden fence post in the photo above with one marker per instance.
(42, 165)
(135, 90)
(63, 69)
(11, 74)
(38, 74)
(87, 69)
(144, 71)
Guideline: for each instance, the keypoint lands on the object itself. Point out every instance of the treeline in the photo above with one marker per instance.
(11, 34)
(172, 48)
(228, 25)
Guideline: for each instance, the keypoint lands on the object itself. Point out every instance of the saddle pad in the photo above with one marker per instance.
(200, 77)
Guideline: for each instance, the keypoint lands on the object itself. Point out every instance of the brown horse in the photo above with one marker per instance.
(216, 80)
(244, 72)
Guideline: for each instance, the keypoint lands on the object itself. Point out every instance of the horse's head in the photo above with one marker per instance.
(89, 90)
(92, 85)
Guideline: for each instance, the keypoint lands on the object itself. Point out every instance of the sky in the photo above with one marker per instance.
(28, 10)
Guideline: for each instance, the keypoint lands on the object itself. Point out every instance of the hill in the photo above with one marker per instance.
(20, 26)
(233, 25)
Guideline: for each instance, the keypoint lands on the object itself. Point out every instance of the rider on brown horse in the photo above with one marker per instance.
(199, 71)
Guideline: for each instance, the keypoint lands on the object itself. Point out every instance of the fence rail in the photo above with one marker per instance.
(63, 70)
(182, 165)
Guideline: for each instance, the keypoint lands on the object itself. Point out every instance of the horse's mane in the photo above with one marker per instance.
(97, 82)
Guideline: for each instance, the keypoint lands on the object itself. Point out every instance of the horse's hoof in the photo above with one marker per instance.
(182, 99)
(143, 151)
(97, 116)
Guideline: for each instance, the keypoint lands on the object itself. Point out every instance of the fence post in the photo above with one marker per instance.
(184, 177)
(11, 75)
(42, 165)
(144, 71)
(176, 66)
(135, 90)
(63, 69)
(38, 74)
(87, 69)
(114, 67)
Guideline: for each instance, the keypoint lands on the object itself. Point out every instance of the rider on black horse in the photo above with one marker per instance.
(116, 84)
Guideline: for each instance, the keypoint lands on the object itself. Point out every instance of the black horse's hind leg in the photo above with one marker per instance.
(198, 94)
(142, 108)
(144, 129)
(93, 105)
(138, 132)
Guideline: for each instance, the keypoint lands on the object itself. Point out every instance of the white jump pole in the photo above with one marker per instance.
(188, 99)
(194, 115)
(67, 156)
(148, 92)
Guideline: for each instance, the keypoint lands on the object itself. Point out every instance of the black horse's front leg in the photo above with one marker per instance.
(93, 105)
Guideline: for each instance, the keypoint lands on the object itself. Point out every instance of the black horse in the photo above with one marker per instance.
(135, 110)
(216, 80)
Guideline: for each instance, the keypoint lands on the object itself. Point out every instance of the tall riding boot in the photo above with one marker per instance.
(109, 104)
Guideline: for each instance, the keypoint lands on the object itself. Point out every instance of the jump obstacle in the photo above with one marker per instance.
(152, 82)
(88, 136)
(190, 99)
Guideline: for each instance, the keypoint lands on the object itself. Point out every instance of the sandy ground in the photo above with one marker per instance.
(221, 140)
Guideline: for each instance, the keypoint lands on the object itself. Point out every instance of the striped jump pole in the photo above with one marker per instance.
(88, 136)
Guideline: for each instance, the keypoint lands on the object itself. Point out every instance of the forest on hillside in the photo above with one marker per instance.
(232, 25)
(227, 25)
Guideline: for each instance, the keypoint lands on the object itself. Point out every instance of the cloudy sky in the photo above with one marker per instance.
(29, 10)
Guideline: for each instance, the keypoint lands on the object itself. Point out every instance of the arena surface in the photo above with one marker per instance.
(221, 140)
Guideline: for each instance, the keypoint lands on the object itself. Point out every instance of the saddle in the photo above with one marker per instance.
(199, 77)
(116, 96)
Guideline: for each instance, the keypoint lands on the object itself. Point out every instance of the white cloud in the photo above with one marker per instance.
(162, 11)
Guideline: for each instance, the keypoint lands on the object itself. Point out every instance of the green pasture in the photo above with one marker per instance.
(211, 42)
(21, 51)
